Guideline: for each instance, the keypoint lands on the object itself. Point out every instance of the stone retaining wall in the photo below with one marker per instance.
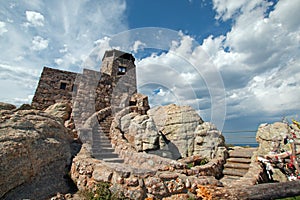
(136, 182)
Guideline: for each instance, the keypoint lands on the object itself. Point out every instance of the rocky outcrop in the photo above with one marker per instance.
(172, 132)
(34, 155)
(62, 110)
(274, 139)
(209, 141)
(6, 106)
(137, 138)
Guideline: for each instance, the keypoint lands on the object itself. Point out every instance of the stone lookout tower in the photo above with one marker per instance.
(90, 91)
(117, 63)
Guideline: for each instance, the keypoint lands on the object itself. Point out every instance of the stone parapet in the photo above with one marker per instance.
(135, 182)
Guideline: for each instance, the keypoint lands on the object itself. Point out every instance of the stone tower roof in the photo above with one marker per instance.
(118, 54)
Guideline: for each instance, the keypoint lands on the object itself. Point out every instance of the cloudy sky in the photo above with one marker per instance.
(236, 62)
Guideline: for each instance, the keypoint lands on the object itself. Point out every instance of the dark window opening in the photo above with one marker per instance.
(132, 103)
(122, 70)
(126, 56)
(63, 86)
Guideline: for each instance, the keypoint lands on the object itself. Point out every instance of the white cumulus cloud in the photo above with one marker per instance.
(2, 28)
(137, 45)
(260, 66)
(34, 18)
(39, 43)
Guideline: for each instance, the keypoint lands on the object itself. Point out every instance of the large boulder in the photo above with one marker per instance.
(172, 131)
(62, 110)
(34, 155)
(143, 133)
(209, 141)
(177, 124)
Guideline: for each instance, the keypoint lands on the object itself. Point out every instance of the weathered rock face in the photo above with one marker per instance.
(143, 133)
(177, 124)
(173, 132)
(62, 110)
(270, 136)
(209, 142)
(34, 154)
(271, 140)
(6, 106)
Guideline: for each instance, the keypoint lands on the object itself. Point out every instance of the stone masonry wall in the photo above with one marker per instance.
(103, 92)
(90, 91)
(84, 102)
(54, 86)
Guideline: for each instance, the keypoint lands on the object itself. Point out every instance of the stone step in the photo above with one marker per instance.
(98, 141)
(103, 135)
(100, 135)
(104, 127)
(103, 145)
(230, 178)
(235, 172)
(242, 153)
(105, 155)
(103, 150)
(107, 149)
(236, 165)
(239, 160)
(103, 130)
(113, 160)
(104, 140)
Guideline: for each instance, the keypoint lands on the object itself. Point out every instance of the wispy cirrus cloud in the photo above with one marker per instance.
(59, 34)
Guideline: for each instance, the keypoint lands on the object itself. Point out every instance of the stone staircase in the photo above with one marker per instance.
(101, 146)
(237, 165)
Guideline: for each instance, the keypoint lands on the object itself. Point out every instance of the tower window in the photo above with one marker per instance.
(63, 86)
(121, 70)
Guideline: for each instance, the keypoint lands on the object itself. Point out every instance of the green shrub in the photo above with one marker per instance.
(204, 161)
(102, 192)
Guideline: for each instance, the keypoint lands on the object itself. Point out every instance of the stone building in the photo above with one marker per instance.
(54, 85)
(90, 91)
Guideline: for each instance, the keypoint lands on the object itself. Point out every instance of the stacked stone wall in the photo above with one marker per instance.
(90, 91)
(103, 92)
(54, 86)
(84, 102)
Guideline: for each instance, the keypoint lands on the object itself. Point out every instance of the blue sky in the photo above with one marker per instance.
(195, 18)
(234, 61)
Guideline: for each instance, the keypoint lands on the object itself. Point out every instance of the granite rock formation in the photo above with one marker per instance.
(34, 155)
(62, 110)
(272, 140)
(172, 131)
